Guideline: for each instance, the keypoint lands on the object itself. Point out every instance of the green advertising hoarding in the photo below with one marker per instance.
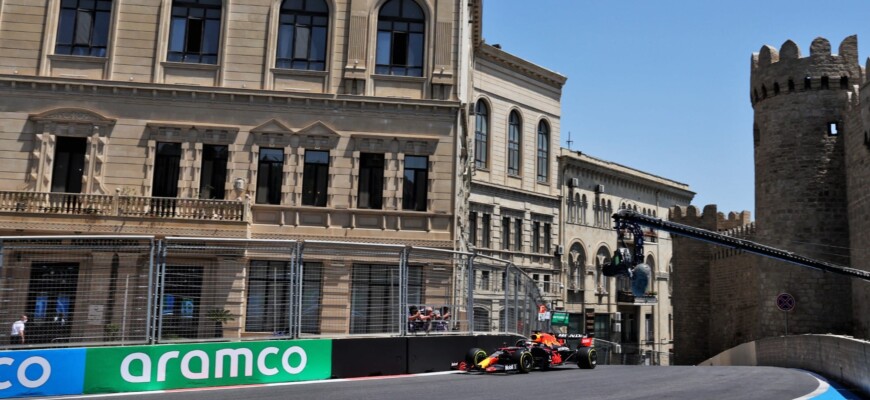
(141, 368)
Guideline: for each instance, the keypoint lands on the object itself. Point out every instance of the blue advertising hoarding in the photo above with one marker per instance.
(41, 372)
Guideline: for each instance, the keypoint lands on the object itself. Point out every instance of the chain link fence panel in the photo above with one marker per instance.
(102, 290)
(75, 290)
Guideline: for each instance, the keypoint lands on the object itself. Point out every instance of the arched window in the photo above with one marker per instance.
(609, 213)
(577, 205)
(83, 28)
(195, 31)
(652, 270)
(302, 35)
(583, 206)
(401, 34)
(602, 209)
(601, 257)
(514, 140)
(543, 151)
(577, 260)
(481, 134)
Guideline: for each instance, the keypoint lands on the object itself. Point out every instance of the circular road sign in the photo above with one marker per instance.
(785, 302)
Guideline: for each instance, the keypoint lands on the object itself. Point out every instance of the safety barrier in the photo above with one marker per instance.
(58, 372)
(841, 358)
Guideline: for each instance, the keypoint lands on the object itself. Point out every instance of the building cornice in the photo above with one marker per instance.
(236, 97)
(520, 65)
(504, 189)
(615, 170)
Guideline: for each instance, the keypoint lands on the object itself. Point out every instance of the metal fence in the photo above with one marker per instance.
(100, 290)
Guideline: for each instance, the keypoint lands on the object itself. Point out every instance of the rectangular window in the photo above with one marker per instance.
(650, 332)
(270, 172)
(374, 297)
(315, 179)
(484, 280)
(518, 235)
(487, 230)
(194, 32)
(312, 297)
(69, 165)
(83, 27)
(166, 169)
(505, 233)
(213, 175)
(536, 237)
(546, 283)
(416, 183)
(472, 228)
(547, 246)
(268, 297)
(371, 181)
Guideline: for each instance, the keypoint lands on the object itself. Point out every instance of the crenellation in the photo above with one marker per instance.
(770, 67)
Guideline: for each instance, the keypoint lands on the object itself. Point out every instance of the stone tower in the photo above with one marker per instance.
(857, 146)
(800, 180)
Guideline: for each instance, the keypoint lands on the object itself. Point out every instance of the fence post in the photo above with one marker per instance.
(159, 290)
(470, 300)
(507, 286)
(403, 290)
(294, 317)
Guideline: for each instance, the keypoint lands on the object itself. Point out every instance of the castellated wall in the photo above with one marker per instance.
(706, 290)
(857, 144)
(800, 180)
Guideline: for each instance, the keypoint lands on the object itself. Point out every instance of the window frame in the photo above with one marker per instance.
(191, 56)
(91, 47)
(314, 23)
(218, 186)
(315, 179)
(515, 143)
(543, 154)
(481, 135)
(415, 196)
(367, 184)
(269, 197)
(393, 34)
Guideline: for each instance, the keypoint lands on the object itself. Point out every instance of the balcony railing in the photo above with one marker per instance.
(122, 206)
(623, 296)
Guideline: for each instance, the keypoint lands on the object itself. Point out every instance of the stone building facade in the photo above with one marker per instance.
(331, 120)
(593, 189)
(811, 158)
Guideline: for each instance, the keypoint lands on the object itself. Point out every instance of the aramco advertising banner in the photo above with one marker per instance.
(41, 372)
(143, 368)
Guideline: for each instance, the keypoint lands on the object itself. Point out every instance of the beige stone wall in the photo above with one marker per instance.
(587, 235)
(505, 83)
(139, 34)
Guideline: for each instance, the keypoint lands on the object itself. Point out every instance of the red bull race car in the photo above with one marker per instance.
(540, 351)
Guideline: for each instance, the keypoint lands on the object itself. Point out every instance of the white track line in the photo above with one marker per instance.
(822, 388)
(251, 386)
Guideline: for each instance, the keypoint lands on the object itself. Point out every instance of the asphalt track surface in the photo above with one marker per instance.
(609, 382)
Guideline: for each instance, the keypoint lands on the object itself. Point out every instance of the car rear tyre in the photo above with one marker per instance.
(475, 356)
(525, 361)
(587, 358)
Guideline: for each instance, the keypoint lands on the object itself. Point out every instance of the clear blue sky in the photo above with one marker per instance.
(663, 85)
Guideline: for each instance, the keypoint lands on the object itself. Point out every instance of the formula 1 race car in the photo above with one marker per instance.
(541, 350)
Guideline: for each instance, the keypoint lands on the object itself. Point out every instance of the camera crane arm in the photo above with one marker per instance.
(631, 220)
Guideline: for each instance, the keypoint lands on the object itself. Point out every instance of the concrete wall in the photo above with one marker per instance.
(841, 358)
